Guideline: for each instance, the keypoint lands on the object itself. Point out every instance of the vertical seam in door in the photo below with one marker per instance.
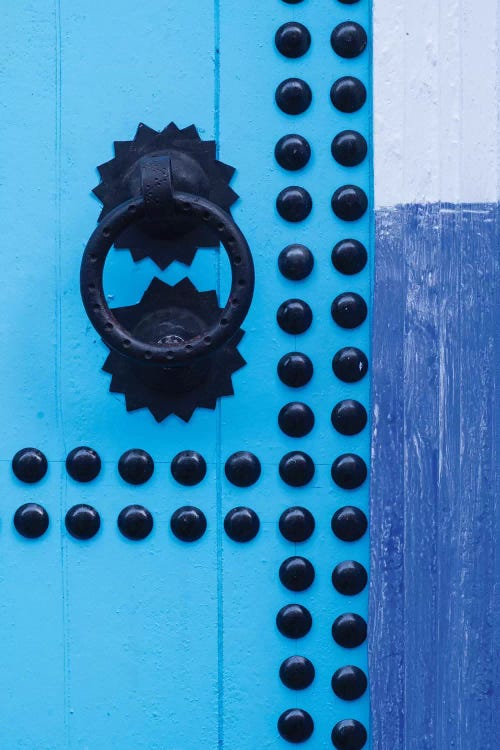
(58, 354)
(218, 428)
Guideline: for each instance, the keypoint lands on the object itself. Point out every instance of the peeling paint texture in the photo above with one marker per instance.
(435, 521)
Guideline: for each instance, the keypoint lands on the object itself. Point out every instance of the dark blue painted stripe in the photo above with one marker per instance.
(435, 500)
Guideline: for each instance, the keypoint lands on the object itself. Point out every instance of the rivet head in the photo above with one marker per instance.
(82, 521)
(349, 417)
(31, 520)
(188, 523)
(135, 522)
(243, 469)
(294, 204)
(349, 630)
(295, 369)
(293, 96)
(296, 468)
(294, 316)
(349, 257)
(349, 203)
(292, 152)
(348, 94)
(136, 466)
(241, 524)
(350, 364)
(297, 673)
(349, 471)
(295, 725)
(29, 465)
(292, 39)
(348, 39)
(294, 621)
(296, 573)
(83, 464)
(296, 262)
(349, 148)
(296, 419)
(188, 468)
(349, 734)
(296, 524)
(349, 683)
(349, 310)
(349, 523)
(349, 577)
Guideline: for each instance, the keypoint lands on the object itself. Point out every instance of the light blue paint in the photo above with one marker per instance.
(159, 645)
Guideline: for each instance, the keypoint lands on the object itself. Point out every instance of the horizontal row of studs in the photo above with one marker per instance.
(241, 524)
(242, 468)
(296, 262)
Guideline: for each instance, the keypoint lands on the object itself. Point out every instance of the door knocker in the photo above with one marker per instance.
(165, 195)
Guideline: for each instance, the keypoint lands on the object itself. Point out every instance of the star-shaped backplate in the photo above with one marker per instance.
(195, 169)
(167, 314)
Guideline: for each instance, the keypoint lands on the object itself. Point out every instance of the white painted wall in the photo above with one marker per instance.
(436, 104)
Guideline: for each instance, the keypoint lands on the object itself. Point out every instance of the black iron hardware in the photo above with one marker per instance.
(176, 349)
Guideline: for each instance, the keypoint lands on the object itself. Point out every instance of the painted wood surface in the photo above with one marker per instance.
(435, 501)
(160, 645)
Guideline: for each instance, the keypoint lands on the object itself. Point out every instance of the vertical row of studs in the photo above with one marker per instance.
(349, 417)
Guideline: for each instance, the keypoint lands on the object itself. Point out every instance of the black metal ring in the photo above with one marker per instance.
(121, 340)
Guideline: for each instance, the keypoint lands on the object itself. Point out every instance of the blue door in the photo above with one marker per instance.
(183, 532)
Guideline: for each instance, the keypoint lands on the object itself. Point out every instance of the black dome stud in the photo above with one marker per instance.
(296, 524)
(349, 523)
(349, 471)
(349, 734)
(188, 468)
(349, 310)
(294, 316)
(296, 469)
(349, 148)
(295, 725)
(82, 521)
(83, 464)
(31, 520)
(349, 630)
(292, 152)
(350, 364)
(294, 621)
(29, 465)
(348, 94)
(243, 469)
(296, 573)
(296, 419)
(349, 257)
(296, 262)
(344, 2)
(188, 523)
(294, 204)
(349, 683)
(241, 524)
(349, 577)
(349, 203)
(136, 466)
(293, 96)
(292, 39)
(297, 673)
(295, 369)
(294, 2)
(135, 522)
(348, 39)
(349, 417)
